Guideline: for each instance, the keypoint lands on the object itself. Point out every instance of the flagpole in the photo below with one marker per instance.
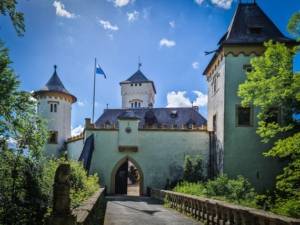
(94, 91)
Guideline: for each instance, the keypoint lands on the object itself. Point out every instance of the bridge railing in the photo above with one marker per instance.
(218, 212)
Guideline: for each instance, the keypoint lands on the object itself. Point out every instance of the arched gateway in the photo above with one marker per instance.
(118, 179)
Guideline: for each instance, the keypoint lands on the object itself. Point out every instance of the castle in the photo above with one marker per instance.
(156, 140)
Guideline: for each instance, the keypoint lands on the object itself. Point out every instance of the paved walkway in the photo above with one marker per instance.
(140, 210)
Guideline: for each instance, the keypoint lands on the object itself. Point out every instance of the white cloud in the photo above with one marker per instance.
(201, 99)
(70, 39)
(199, 2)
(195, 65)
(107, 25)
(146, 13)
(167, 43)
(226, 4)
(60, 10)
(77, 130)
(179, 100)
(172, 23)
(80, 103)
(133, 16)
(120, 3)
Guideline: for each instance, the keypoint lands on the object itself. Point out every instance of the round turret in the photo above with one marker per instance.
(55, 105)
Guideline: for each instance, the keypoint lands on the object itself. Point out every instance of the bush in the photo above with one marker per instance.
(82, 185)
(235, 191)
(192, 172)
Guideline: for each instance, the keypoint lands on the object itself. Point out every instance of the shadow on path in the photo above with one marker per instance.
(134, 210)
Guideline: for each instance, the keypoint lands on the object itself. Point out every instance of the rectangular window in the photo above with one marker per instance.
(215, 122)
(139, 105)
(131, 105)
(140, 84)
(135, 104)
(244, 116)
(131, 85)
(52, 137)
(53, 107)
(215, 84)
(135, 84)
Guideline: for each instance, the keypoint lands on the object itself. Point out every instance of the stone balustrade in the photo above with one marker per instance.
(216, 212)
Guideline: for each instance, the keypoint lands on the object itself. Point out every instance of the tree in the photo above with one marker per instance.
(17, 18)
(22, 200)
(272, 83)
(192, 172)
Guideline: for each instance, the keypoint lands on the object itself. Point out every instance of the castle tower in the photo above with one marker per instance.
(137, 91)
(237, 148)
(55, 105)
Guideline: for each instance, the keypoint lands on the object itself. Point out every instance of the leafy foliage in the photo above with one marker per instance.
(82, 185)
(273, 83)
(17, 18)
(192, 172)
(22, 200)
(236, 191)
(133, 174)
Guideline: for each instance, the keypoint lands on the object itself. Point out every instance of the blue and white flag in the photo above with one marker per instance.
(99, 70)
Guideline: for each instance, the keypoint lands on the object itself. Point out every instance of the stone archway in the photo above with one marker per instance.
(117, 166)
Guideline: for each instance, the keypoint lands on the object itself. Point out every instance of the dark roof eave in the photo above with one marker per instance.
(74, 99)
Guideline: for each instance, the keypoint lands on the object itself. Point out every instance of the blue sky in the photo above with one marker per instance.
(169, 36)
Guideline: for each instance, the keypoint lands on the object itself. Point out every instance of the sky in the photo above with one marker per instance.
(169, 38)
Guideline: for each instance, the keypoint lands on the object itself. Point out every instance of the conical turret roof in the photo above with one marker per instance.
(54, 84)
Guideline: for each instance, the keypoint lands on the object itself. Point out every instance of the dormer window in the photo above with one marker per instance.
(174, 114)
(150, 118)
(190, 123)
(256, 29)
(107, 124)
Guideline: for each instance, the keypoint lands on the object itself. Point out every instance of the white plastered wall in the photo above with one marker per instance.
(160, 154)
(144, 93)
(59, 121)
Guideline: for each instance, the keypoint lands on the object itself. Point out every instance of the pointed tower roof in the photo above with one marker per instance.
(251, 25)
(138, 77)
(54, 84)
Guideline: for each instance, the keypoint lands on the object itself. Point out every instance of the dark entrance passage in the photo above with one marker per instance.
(127, 178)
(121, 179)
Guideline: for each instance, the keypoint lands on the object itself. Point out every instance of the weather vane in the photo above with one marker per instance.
(140, 64)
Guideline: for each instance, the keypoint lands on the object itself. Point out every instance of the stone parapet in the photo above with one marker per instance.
(91, 210)
(75, 138)
(218, 212)
(174, 127)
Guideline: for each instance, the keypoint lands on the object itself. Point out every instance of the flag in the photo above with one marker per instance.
(99, 70)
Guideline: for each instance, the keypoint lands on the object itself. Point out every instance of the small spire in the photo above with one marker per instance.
(55, 68)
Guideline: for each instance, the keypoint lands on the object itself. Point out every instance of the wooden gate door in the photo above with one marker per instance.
(121, 179)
